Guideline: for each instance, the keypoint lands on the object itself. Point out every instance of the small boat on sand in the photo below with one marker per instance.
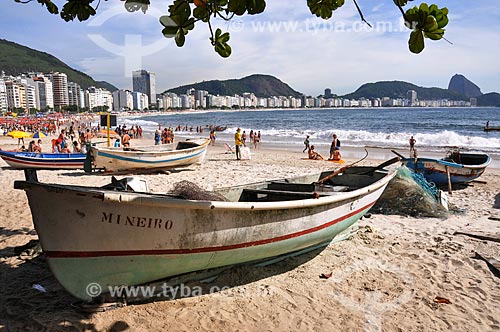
(462, 167)
(37, 160)
(113, 236)
(162, 156)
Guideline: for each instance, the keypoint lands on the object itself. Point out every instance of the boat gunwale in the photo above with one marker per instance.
(450, 164)
(164, 200)
(150, 153)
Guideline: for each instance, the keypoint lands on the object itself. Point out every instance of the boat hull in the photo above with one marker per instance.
(118, 160)
(435, 170)
(113, 239)
(24, 160)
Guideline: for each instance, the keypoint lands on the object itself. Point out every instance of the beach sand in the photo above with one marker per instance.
(384, 278)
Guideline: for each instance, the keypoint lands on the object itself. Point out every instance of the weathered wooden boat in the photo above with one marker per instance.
(105, 237)
(23, 160)
(161, 156)
(462, 167)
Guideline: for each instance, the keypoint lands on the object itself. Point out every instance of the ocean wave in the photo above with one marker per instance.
(441, 140)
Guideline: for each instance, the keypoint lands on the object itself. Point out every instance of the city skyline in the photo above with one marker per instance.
(339, 59)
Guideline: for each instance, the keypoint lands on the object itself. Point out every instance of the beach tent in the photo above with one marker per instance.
(18, 134)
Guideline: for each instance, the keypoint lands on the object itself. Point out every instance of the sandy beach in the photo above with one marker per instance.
(385, 278)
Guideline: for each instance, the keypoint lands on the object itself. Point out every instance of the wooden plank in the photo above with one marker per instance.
(479, 237)
(493, 264)
(286, 193)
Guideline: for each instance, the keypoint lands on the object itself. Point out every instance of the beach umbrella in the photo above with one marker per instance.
(18, 134)
(39, 134)
(104, 132)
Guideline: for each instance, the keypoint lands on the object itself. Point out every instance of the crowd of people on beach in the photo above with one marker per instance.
(314, 155)
(240, 140)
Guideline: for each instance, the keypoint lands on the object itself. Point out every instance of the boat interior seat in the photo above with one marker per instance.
(305, 187)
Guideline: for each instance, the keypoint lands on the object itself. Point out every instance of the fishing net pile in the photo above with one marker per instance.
(409, 194)
(191, 191)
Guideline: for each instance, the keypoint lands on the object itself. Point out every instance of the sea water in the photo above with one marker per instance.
(435, 129)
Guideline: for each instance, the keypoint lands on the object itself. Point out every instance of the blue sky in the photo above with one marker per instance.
(286, 41)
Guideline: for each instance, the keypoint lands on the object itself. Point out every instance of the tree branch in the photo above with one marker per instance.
(361, 14)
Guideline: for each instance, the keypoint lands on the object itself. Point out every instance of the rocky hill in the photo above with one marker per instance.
(260, 85)
(463, 86)
(16, 59)
(489, 99)
(398, 89)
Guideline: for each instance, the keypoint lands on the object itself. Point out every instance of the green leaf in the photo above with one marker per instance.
(430, 24)
(201, 13)
(180, 38)
(401, 3)
(255, 6)
(239, 7)
(224, 50)
(136, 5)
(324, 8)
(435, 35)
(416, 42)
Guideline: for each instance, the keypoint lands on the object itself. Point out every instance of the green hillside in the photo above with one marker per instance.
(398, 89)
(16, 59)
(489, 99)
(260, 85)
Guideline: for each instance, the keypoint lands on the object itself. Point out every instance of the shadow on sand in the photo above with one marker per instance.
(496, 205)
(24, 308)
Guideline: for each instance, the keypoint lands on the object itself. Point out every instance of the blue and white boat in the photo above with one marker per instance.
(23, 160)
(162, 156)
(462, 167)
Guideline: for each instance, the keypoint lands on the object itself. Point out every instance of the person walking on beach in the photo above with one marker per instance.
(335, 148)
(306, 143)
(213, 137)
(238, 143)
(244, 138)
(256, 139)
(412, 146)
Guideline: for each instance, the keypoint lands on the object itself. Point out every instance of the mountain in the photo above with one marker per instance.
(463, 86)
(16, 59)
(260, 85)
(489, 99)
(398, 89)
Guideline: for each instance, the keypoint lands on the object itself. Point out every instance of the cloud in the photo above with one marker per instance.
(287, 41)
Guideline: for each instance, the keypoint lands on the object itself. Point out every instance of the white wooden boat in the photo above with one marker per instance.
(162, 156)
(104, 237)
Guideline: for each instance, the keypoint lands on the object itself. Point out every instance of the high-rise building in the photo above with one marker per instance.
(60, 89)
(97, 97)
(328, 93)
(141, 100)
(16, 95)
(43, 91)
(3, 96)
(412, 97)
(144, 81)
(74, 92)
(123, 100)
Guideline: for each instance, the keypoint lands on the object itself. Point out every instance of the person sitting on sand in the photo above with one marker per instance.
(314, 155)
(76, 147)
(31, 146)
(38, 146)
